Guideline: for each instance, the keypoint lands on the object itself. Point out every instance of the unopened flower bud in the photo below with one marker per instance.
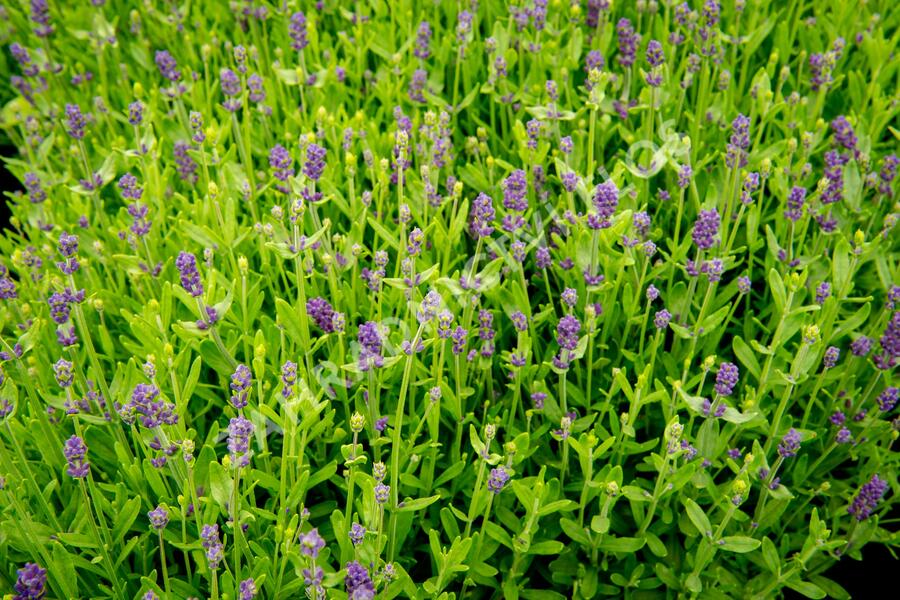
(357, 422)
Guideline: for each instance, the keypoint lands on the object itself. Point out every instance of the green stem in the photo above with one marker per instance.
(395, 445)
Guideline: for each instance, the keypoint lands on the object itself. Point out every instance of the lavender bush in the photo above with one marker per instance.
(447, 299)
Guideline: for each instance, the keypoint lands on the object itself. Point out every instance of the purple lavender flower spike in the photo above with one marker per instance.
(726, 378)
(868, 498)
(75, 452)
(215, 551)
(159, 518)
(706, 229)
(240, 383)
(186, 263)
(30, 582)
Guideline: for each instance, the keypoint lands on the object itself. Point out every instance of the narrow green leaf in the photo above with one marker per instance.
(697, 516)
(739, 543)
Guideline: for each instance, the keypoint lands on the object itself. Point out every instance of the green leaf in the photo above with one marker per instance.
(655, 544)
(681, 331)
(600, 524)
(126, 518)
(739, 543)
(776, 286)
(621, 544)
(770, 556)
(830, 587)
(417, 504)
(574, 531)
(547, 547)
(558, 505)
(840, 265)
(810, 590)
(744, 354)
(221, 484)
(697, 516)
(289, 319)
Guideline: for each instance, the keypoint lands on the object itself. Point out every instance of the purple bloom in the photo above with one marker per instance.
(186, 166)
(369, 339)
(281, 163)
(417, 85)
(498, 479)
(297, 31)
(685, 173)
(515, 187)
(843, 133)
(209, 539)
(463, 27)
(311, 543)
(790, 443)
(30, 582)
(726, 378)
(459, 337)
(832, 354)
(605, 201)
(481, 215)
(887, 400)
(75, 452)
(159, 518)
(136, 113)
(382, 493)
(357, 534)
(423, 39)
(36, 193)
(257, 89)
(866, 501)
(40, 14)
(231, 87)
(744, 284)
(288, 378)
(321, 312)
(429, 307)
(167, 65)
(706, 228)
(890, 343)
(75, 121)
(662, 318)
(655, 56)
(567, 332)
(861, 346)
(62, 371)
(357, 582)
(247, 589)
(129, 187)
(68, 247)
(153, 410)
(239, 432)
(628, 42)
(843, 436)
(888, 173)
(241, 380)
(569, 180)
(186, 263)
(315, 162)
(795, 202)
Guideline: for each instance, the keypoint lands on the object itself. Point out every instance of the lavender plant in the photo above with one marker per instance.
(449, 299)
